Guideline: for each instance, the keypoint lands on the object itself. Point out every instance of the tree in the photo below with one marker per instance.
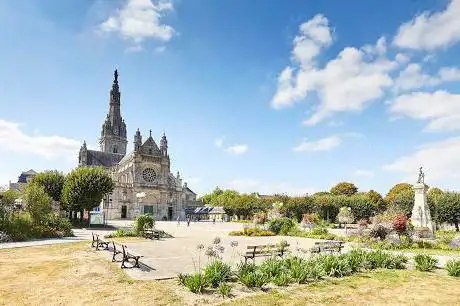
(52, 182)
(403, 202)
(344, 188)
(38, 203)
(397, 189)
(345, 216)
(377, 199)
(85, 187)
(7, 200)
(298, 206)
(210, 197)
(361, 206)
(448, 208)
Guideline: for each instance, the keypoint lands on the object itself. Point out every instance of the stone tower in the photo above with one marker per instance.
(113, 134)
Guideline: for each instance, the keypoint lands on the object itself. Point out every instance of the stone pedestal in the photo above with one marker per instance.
(421, 216)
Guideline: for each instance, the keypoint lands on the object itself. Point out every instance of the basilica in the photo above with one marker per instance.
(143, 179)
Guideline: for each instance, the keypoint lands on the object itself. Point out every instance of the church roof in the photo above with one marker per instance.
(105, 159)
(30, 172)
(126, 158)
(150, 144)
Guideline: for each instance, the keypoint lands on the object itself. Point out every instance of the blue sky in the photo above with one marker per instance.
(267, 96)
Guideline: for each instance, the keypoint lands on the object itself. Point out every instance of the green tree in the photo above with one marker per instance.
(362, 206)
(209, 198)
(345, 216)
(38, 203)
(298, 206)
(448, 208)
(377, 199)
(397, 189)
(403, 202)
(52, 182)
(85, 187)
(326, 206)
(7, 200)
(344, 188)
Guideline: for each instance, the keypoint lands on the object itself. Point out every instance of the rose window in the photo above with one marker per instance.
(148, 174)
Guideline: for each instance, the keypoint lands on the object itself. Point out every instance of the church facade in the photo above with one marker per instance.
(143, 179)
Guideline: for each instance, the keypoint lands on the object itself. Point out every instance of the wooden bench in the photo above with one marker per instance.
(99, 242)
(117, 249)
(253, 251)
(129, 255)
(151, 233)
(327, 247)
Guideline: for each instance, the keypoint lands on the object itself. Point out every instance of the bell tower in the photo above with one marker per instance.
(113, 133)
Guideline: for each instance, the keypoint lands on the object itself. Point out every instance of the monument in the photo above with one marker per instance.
(421, 216)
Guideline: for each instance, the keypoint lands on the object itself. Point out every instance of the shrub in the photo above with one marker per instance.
(181, 278)
(4, 237)
(61, 224)
(254, 279)
(453, 267)
(143, 221)
(356, 259)
(379, 231)
(196, 282)
(282, 279)
(217, 272)
(400, 224)
(244, 268)
(224, 290)
(363, 223)
(335, 266)
(272, 267)
(425, 262)
(281, 225)
(122, 233)
(252, 232)
(19, 227)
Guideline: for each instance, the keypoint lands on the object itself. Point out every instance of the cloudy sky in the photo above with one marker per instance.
(268, 96)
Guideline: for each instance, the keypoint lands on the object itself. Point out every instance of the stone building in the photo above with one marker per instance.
(143, 179)
(23, 179)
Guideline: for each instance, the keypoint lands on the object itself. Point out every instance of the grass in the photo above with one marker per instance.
(381, 287)
(74, 274)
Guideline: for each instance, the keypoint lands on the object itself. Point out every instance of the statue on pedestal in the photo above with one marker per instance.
(421, 216)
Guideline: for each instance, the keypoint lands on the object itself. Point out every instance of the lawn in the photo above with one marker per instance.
(75, 274)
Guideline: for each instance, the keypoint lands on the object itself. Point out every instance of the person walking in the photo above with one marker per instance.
(188, 222)
(178, 220)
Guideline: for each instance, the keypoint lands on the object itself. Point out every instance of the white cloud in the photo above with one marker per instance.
(323, 144)
(139, 20)
(12, 139)
(254, 185)
(402, 58)
(429, 31)
(351, 81)
(441, 160)
(412, 77)
(441, 108)
(237, 149)
(363, 173)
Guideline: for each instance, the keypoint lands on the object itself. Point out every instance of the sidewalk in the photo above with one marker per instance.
(80, 235)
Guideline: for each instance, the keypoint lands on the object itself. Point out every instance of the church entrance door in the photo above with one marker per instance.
(123, 212)
(170, 215)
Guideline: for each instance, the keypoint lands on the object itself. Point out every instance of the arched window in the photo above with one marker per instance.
(150, 151)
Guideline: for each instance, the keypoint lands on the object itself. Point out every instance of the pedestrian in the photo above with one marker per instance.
(188, 222)
(214, 221)
(178, 220)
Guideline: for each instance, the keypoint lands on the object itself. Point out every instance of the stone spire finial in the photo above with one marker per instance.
(150, 132)
(115, 76)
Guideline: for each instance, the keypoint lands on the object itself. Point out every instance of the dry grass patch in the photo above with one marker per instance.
(383, 287)
(74, 274)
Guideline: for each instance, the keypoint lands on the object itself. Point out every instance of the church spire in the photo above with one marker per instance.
(113, 135)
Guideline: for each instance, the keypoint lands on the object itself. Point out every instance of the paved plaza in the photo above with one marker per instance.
(170, 256)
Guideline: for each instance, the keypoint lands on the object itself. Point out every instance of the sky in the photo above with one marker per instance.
(257, 96)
